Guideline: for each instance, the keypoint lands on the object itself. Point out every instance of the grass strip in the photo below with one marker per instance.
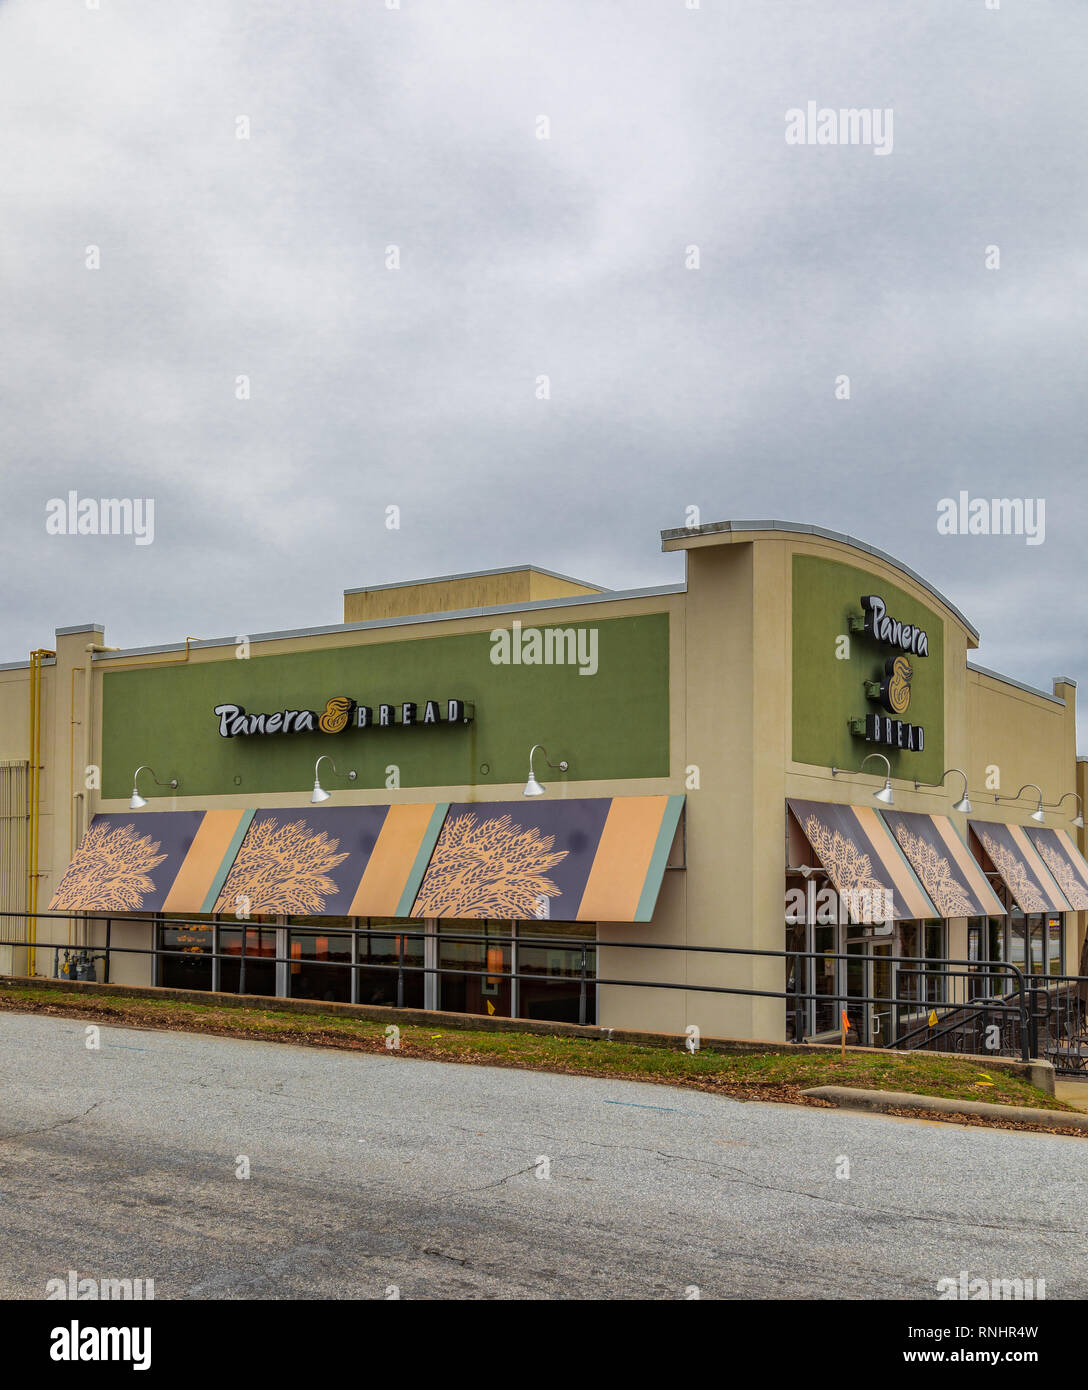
(741, 1076)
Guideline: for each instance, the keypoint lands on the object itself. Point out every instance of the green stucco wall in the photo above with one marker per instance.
(613, 724)
(827, 691)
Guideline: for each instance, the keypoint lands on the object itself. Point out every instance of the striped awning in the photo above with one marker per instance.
(863, 861)
(600, 859)
(1022, 870)
(947, 869)
(1067, 865)
(362, 861)
(157, 861)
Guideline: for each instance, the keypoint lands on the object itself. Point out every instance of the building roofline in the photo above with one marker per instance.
(474, 574)
(375, 624)
(1008, 680)
(798, 528)
(25, 665)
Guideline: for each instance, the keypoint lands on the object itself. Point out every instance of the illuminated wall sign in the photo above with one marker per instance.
(895, 733)
(892, 691)
(342, 713)
(891, 631)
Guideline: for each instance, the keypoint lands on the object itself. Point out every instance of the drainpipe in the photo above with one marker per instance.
(34, 801)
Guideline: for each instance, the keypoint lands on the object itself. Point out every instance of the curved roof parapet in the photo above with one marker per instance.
(680, 533)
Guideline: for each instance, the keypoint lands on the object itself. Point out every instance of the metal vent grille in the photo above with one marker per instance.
(14, 778)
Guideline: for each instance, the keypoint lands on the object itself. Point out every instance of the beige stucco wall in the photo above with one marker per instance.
(449, 595)
(730, 744)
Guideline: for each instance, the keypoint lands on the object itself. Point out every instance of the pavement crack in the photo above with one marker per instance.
(498, 1182)
(736, 1175)
(57, 1124)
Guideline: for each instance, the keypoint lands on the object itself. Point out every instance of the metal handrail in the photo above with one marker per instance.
(796, 998)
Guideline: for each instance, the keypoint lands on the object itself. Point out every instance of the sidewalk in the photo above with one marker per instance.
(1072, 1091)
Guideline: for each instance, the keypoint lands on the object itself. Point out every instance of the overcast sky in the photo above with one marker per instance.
(523, 257)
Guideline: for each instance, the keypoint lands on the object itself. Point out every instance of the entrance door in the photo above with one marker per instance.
(869, 985)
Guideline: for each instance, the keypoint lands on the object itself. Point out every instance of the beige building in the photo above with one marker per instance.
(724, 742)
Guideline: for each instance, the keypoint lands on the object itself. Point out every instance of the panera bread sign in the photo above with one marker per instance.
(341, 713)
(891, 689)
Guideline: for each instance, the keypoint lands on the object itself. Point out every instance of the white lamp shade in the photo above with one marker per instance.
(533, 787)
(137, 801)
(885, 794)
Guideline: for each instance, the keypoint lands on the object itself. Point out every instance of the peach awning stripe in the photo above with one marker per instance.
(617, 880)
(388, 876)
(210, 847)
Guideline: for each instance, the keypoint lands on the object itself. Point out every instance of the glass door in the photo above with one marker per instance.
(869, 989)
(881, 1014)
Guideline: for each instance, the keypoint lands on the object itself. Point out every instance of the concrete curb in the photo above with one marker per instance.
(850, 1099)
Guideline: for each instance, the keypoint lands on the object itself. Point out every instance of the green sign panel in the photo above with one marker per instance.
(868, 672)
(439, 711)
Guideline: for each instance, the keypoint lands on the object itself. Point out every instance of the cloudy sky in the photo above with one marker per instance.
(520, 257)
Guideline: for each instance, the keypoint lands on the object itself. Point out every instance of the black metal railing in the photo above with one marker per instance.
(932, 1003)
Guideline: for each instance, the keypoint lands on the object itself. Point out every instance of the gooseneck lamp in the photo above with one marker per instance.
(964, 803)
(1078, 819)
(532, 786)
(885, 794)
(1038, 814)
(319, 793)
(137, 801)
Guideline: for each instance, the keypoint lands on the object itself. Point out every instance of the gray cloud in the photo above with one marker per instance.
(520, 256)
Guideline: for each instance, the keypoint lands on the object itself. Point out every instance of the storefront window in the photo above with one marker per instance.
(986, 946)
(1037, 936)
(193, 968)
(934, 935)
(260, 964)
(474, 993)
(1017, 940)
(1055, 940)
(908, 979)
(320, 959)
(389, 942)
(558, 993)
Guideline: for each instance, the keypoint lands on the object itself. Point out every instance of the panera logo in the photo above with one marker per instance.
(341, 713)
(890, 630)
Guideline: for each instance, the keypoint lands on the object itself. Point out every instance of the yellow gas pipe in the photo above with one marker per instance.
(34, 801)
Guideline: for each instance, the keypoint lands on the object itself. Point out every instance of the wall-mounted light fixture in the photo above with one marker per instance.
(1038, 814)
(885, 793)
(1078, 819)
(532, 786)
(319, 793)
(964, 803)
(137, 801)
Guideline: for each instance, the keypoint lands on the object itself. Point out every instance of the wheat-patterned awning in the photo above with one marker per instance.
(947, 869)
(598, 859)
(1016, 859)
(1067, 865)
(870, 873)
(360, 861)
